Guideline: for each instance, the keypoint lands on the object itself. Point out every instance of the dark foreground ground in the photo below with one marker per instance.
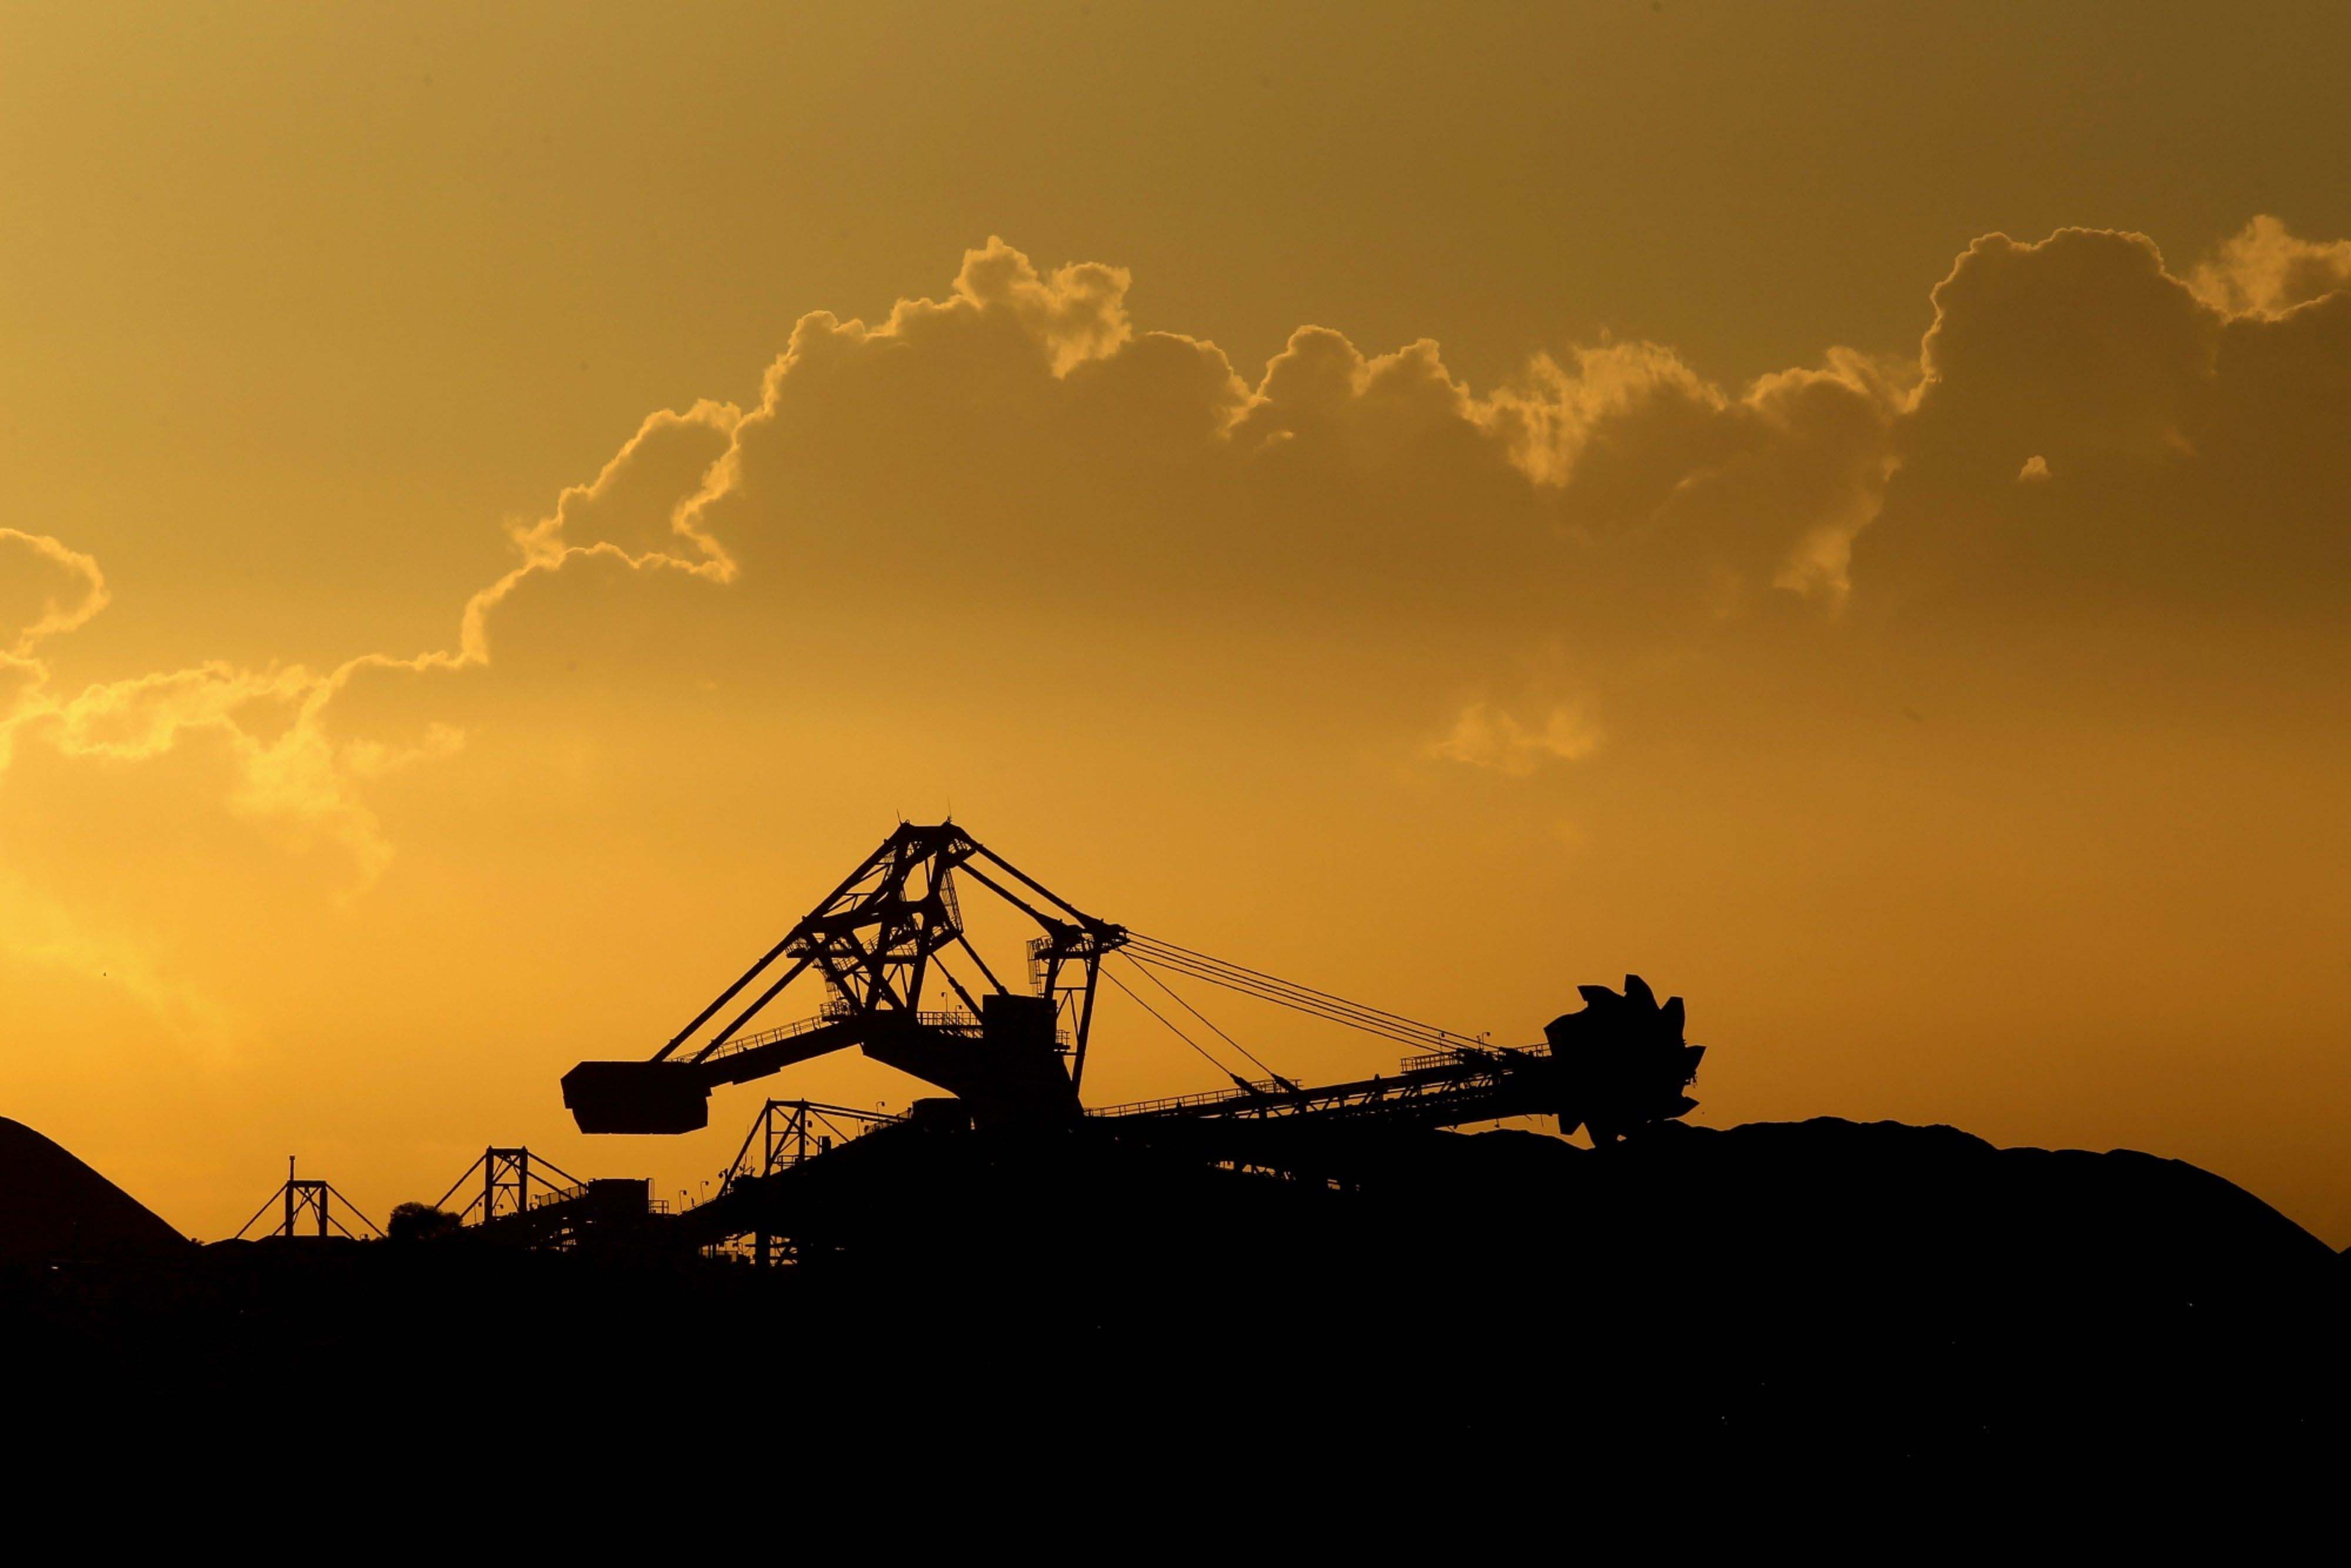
(1814, 1295)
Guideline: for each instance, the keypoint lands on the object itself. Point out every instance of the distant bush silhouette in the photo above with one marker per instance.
(420, 1222)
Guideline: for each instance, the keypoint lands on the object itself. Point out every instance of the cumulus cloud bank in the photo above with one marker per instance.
(1013, 481)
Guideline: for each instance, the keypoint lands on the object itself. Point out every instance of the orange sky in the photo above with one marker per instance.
(498, 512)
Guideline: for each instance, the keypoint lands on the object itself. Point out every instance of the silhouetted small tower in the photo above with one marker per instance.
(508, 1177)
(312, 1199)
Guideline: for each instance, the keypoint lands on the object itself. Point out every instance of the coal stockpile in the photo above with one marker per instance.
(53, 1206)
(1911, 1296)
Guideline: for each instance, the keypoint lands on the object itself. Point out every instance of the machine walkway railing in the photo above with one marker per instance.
(953, 1020)
(1267, 1089)
(832, 1014)
(1436, 1073)
(549, 1199)
(1436, 1059)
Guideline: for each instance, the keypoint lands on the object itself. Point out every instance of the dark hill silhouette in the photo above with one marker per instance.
(53, 1206)
(1755, 1295)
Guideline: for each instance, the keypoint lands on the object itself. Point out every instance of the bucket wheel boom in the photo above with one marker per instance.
(880, 943)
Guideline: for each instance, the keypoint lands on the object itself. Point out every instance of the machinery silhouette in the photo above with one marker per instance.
(878, 941)
(886, 946)
(1004, 1271)
(1621, 1062)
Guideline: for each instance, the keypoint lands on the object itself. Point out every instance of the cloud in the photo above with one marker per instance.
(1019, 442)
(2189, 434)
(2264, 270)
(1077, 313)
(51, 590)
(1012, 486)
(1011, 479)
(641, 511)
(1716, 500)
(1485, 735)
(294, 769)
